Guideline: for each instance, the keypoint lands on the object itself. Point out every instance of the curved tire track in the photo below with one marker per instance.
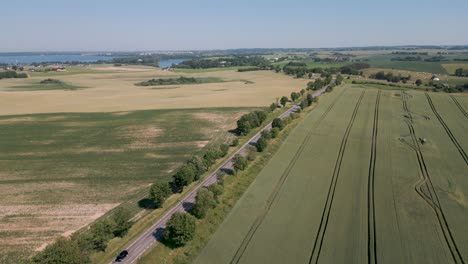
(448, 237)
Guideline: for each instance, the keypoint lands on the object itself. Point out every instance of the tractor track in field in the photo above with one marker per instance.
(447, 129)
(320, 236)
(371, 229)
(271, 199)
(459, 106)
(418, 186)
(434, 199)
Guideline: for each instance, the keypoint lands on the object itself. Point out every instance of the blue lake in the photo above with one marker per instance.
(168, 63)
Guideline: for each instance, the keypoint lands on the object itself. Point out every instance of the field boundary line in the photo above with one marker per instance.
(271, 199)
(447, 129)
(320, 236)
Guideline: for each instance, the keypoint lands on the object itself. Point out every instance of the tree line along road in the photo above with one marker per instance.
(150, 236)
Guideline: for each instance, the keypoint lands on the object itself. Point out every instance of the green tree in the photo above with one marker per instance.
(211, 155)
(303, 91)
(180, 229)
(261, 144)
(273, 107)
(100, 234)
(418, 82)
(159, 192)
(284, 100)
(304, 104)
(121, 219)
(294, 96)
(459, 72)
(240, 162)
(185, 175)
(339, 79)
(204, 201)
(277, 122)
(235, 142)
(199, 165)
(62, 251)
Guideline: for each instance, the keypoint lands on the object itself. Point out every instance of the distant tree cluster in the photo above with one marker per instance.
(390, 77)
(51, 81)
(171, 81)
(250, 69)
(355, 68)
(205, 63)
(409, 53)
(460, 72)
(12, 74)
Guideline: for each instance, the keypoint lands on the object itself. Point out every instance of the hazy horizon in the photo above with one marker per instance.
(86, 26)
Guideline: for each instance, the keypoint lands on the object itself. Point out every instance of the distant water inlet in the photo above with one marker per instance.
(28, 59)
(169, 63)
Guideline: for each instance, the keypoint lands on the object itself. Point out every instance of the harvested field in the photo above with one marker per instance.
(112, 92)
(369, 176)
(59, 172)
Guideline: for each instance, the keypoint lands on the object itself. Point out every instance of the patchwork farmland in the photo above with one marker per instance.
(369, 176)
(60, 172)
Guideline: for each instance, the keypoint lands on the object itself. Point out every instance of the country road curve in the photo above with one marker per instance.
(150, 236)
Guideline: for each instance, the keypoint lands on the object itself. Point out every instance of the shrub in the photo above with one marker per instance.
(310, 99)
(240, 162)
(217, 190)
(251, 153)
(274, 132)
(266, 134)
(235, 142)
(224, 149)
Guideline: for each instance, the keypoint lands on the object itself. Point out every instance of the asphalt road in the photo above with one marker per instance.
(138, 246)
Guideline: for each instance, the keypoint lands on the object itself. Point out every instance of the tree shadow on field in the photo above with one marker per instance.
(146, 203)
(234, 132)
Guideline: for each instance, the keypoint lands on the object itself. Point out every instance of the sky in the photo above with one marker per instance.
(154, 25)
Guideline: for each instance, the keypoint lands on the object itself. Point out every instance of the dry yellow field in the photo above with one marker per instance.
(108, 92)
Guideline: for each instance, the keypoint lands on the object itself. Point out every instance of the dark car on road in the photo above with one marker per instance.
(121, 256)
